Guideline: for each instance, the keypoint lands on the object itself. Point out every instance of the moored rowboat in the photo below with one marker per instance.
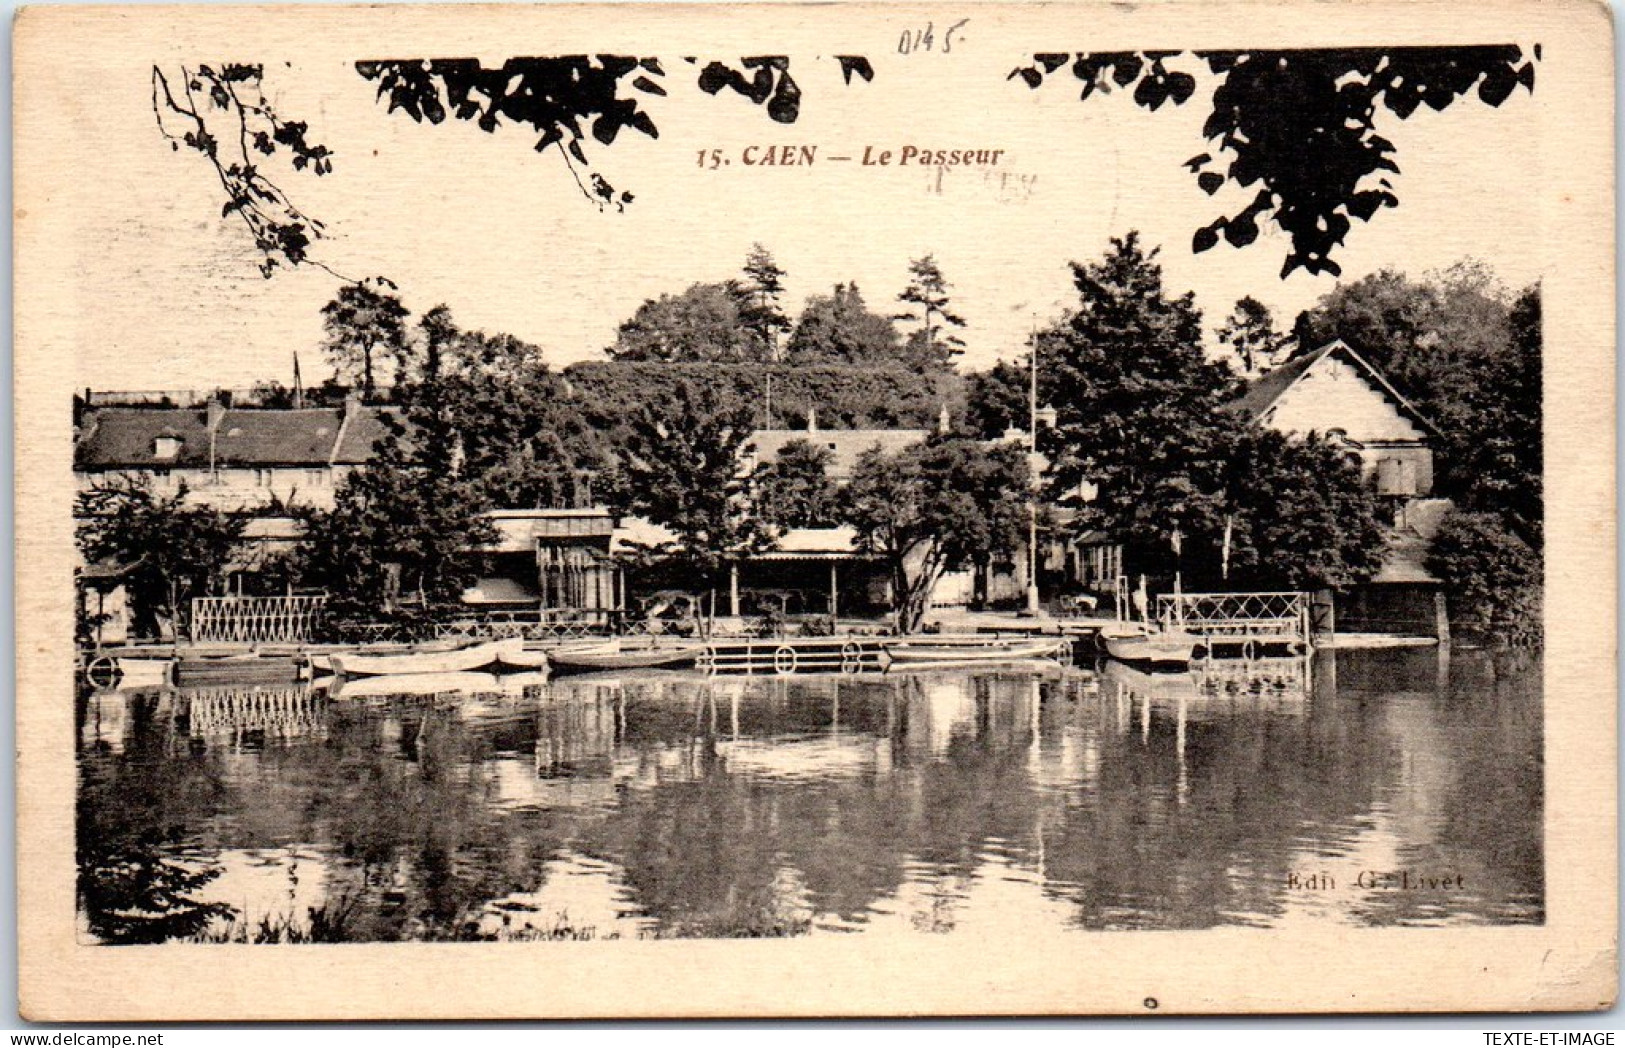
(1001, 651)
(454, 660)
(139, 673)
(613, 656)
(1134, 643)
(519, 658)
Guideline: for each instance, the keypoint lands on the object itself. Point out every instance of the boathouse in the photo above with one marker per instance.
(1336, 392)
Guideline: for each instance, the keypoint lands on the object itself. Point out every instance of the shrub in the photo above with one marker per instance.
(1492, 577)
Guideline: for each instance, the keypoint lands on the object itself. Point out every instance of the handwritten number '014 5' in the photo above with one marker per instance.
(924, 39)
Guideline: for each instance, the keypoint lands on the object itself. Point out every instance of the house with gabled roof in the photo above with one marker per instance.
(1336, 392)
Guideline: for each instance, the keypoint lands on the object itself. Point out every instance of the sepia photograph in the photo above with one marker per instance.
(973, 510)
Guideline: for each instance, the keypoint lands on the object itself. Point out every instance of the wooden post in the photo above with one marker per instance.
(733, 589)
(1441, 617)
(1326, 600)
(834, 594)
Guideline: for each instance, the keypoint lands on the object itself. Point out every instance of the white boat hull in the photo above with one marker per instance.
(456, 660)
(1149, 648)
(913, 654)
(613, 656)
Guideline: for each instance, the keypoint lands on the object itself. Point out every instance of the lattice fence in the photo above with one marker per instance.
(255, 620)
(1237, 614)
(534, 625)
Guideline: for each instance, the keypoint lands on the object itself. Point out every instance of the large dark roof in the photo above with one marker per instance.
(128, 438)
(277, 438)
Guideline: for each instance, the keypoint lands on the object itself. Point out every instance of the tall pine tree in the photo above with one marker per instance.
(759, 309)
(932, 344)
(1250, 333)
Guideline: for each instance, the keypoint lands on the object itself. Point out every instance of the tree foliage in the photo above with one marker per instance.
(403, 527)
(795, 489)
(1271, 109)
(932, 345)
(760, 311)
(410, 523)
(365, 323)
(838, 328)
(1492, 576)
(680, 468)
(943, 503)
(1249, 332)
(704, 323)
(221, 113)
(996, 400)
(562, 99)
(170, 551)
(519, 438)
(1502, 468)
(1301, 517)
(1136, 403)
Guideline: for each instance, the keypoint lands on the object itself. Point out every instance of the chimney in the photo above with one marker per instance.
(945, 424)
(812, 420)
(215, 413)
(352, 404)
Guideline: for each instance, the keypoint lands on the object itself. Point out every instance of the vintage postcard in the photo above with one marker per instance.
(815, 510)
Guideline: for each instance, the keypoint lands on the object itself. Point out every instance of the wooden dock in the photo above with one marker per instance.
(786, 655)
(851, 654)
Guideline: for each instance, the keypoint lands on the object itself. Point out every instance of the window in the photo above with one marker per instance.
(166, 447)
(316, 477)
(1396, 476)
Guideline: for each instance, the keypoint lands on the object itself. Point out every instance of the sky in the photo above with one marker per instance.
(168, 295)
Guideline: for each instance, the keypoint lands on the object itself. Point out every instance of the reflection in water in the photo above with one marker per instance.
(662, 804)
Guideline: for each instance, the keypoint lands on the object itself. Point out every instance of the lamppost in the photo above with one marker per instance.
(1035, 465)
(1034, 462)
(1032, 483)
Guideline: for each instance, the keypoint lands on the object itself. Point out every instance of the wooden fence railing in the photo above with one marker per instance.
(1236, 618)
(255, 620)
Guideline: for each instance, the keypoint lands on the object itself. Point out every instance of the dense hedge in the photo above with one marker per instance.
(845, 397)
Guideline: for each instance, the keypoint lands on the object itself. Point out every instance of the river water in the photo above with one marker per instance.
(1361, 788)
